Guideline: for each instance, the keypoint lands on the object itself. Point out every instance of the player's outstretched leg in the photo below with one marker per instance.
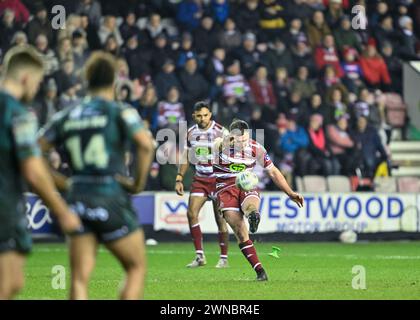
(83, 250)
(237, 223)
(12, 278)
(223, 237)
(250, 209)
(131, 252)
(194, 206)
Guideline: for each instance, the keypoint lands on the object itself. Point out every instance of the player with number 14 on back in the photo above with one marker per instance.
(95, 136)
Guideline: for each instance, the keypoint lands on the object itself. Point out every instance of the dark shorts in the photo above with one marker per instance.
(15, 236)
(232, 198)
(203, 187)
(109, 218)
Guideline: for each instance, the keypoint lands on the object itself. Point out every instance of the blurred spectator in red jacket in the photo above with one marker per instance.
(263, 93)
(373, 66)
(262, 88)
(327, 55)
(21, 12)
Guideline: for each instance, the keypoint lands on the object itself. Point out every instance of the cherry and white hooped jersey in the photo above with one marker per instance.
(230, 162)
(200, 147)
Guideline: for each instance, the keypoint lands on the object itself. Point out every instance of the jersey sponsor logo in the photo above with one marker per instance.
(38, 214)
(237, 167)
(202, 151)
(91, 214)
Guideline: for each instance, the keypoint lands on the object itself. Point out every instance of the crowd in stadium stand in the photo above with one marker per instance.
(299, 69)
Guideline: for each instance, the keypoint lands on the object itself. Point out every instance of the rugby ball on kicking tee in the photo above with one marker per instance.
(246, 180)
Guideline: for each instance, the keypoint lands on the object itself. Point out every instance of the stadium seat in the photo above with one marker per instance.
(314, 184)
(299, 184)
(385, 184)
(409, 184)
(338, 184)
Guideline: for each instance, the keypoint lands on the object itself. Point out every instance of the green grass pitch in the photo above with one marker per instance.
(303, 271)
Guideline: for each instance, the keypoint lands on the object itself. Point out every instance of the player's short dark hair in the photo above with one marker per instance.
(100, 70)
(19, 58)
(238, 126)
(200, 105)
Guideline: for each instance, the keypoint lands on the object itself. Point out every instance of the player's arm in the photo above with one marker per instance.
(36, 174)
(182, 170)
(134, 129)
(60, 180)
(277, 177)
(280, 181)
(145, 149)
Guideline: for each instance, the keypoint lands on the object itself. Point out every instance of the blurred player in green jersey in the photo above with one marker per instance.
(21, 161)
(95, 136)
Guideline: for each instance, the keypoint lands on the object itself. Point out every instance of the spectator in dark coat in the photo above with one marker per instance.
(385, 32)
(91, 33)
(205, 37)
(248, 55)
(194, 85)
(408, 40)
(315, 106)
(214, 72)
(161, 51)
(230, 37)
(345, 36)
(369, 147)
(147, 107)
(295, 32)
(278, 56)
(40, 25)
(47, 105)
(282, 88)
(137, 57)
(394, 65)
(302, 56)
(8, 28)
(247, 16)
(166, 79)
(298, 9)
(129, 26)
